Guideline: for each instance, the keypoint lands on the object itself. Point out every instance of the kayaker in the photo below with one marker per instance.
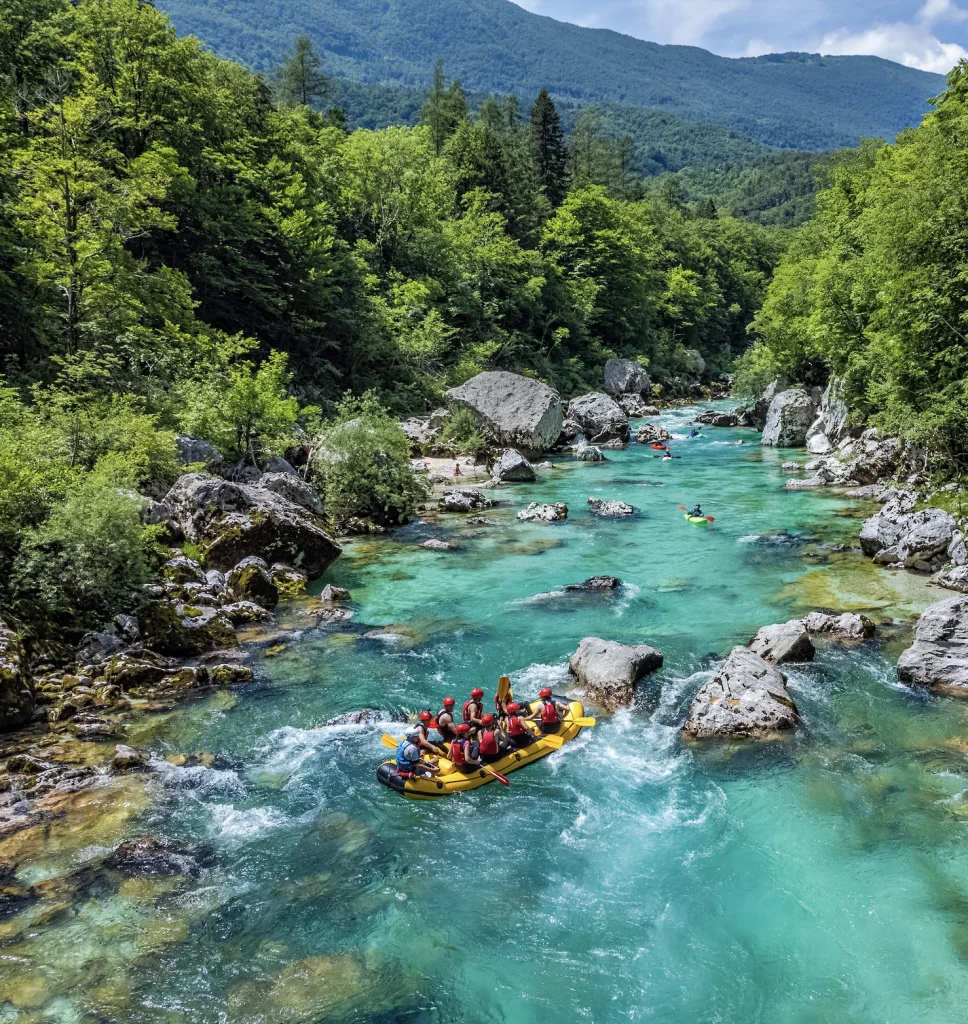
(488, 744)
(409, 762)
(697, 513)
(460, 753)
(549, 715)
(426, 725)
(473, 710)
(446, 725)
(518, 734)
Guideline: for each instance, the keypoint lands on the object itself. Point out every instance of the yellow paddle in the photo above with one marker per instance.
(388, 741)
(585, 723)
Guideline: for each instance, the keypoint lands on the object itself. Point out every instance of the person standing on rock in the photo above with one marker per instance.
(473, 710)
(446, 725)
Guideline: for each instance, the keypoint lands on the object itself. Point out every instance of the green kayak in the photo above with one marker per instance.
(696, 519)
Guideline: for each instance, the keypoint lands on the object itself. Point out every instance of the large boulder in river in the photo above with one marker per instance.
(952, 579)
(228, 522)
(789, 418)
(939, 655)
(609, 671)
(16, 696)
(649, 433)
(625, 376)
(516, 411)
(746, 699)
(831, 426)
(513, 467)
(173, 627)
(783, 642)
(536, 513)
(251, 580)
(846, 626)
(294, 488)
(600, 417)
(634, 406)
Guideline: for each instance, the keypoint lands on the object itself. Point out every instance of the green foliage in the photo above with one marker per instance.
(795, 100)
(300, 79)
(462, 433)
(362, 465)
(873, 288)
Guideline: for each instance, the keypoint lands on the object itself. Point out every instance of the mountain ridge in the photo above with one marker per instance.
(792, 100)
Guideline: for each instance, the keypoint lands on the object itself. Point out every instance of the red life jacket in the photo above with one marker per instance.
(515, 726)
(458, 750)
(445, 729)
(467, 706)
(488, 742)
(549, 713)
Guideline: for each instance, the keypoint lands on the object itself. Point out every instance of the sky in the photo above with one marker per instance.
(927, 34)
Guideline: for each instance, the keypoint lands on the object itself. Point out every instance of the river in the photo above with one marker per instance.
(628, 877)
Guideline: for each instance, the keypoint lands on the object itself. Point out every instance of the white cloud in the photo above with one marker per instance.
(912, 43)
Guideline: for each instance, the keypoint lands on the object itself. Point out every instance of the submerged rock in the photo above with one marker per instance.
(609, 671)
(746, 699)
(786, 641)
(153, 856)
(597, 583)
(433, 544)
(516, 411)
(544, 513)
(366, 716)
(938, 658)
(610, 509)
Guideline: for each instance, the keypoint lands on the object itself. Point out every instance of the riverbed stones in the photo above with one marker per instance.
(171, 627)
(610, 509)
(128, 758)
(952, 579)
(783, 642)
(649, 433)
(251, 580)
(589, 453)
(152, 856)
(938, 658)
(433, 544)
(549, 513)
(516, 411)
(746, 699)
(241, 613)
(513, 467)
(789, 418)
(229, 521)
(609, 671)
(230, 674)
(600, 417)
(625, 376)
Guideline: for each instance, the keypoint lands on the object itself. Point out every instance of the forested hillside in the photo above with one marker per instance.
(873, 289)
(800, 101)
(183, 249)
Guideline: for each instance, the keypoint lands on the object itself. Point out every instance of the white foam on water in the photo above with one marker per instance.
(238, 825)
(199, 779)
(750, 538)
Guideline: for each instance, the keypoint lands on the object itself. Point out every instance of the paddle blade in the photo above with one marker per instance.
(710, 518)
(683, 507)
(389, 741)
(503, 685)
(497, 775)
(585, 723)
(555, 742)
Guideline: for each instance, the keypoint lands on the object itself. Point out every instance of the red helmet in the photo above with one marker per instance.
(425, 716)
(463, 728)
(545, 692)
(477, 693)
(514, 707)
(449, 702)
(487, 720)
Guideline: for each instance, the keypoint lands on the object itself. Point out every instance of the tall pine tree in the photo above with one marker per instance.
(301, 80)
(548, 148)
(444, 108)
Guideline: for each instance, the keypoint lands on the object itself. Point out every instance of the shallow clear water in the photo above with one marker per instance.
(629, 876)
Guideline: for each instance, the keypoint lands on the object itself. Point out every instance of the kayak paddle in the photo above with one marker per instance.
(497, 775)
(388, 741)
(585, 723)
(684, 509)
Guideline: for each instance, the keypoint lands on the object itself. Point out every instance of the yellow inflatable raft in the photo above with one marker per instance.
(451, 781)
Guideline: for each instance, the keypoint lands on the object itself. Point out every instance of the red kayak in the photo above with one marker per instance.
(659, 447)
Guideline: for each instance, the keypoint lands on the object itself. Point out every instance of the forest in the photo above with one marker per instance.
(873, 287)
(188, 247)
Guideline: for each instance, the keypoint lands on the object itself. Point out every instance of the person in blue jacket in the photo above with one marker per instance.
(408, 759)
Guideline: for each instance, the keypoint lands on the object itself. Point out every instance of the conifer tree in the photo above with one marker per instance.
(301, 80)
(444, 108)
(548, 148)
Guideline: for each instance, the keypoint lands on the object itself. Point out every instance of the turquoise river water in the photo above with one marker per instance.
(629, 877)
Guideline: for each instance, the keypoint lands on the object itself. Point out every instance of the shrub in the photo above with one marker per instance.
(362, 465)
(462, 433)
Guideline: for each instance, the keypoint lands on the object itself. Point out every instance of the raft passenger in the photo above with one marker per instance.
(473, 710)
(488, 747)
(425, 726)
(446, 725)
(408, 760)
(550, 714)
(460, 752)
(518, 734)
